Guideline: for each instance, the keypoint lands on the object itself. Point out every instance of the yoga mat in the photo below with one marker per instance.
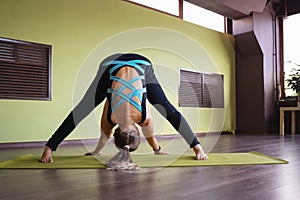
(89, 162)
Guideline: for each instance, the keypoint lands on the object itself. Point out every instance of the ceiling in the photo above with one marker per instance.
(236, 9)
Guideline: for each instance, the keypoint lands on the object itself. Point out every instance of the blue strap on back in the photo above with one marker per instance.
(133, 63)
(126, 84)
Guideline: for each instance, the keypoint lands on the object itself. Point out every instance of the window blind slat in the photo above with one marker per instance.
(7, 52)
(20, 70)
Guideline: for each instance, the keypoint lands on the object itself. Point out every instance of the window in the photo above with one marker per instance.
(188, 12)
(24, 70)
(169, 6)
(198, 89)
(291, 48)
(202, 17)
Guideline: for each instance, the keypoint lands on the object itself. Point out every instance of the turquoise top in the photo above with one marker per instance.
(126, 84)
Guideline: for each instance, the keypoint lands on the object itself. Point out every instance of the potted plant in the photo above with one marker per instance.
(294, 82)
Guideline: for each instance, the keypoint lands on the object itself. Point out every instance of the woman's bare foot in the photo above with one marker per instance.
(46, 156)
(200, 154)
(160, 152)
(93, 153)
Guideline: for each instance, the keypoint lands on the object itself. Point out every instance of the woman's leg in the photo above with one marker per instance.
(95, 94)
(158, 99)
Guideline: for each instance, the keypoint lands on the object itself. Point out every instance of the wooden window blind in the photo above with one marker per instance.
(198, 89)
(25, 70)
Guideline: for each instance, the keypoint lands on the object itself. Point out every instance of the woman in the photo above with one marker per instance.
(100, 89)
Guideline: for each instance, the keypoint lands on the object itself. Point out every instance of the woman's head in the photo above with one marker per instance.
(129, 139)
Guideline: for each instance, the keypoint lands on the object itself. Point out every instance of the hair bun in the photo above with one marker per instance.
(124, 139)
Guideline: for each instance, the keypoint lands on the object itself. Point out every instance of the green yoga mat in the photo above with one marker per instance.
(80, 162)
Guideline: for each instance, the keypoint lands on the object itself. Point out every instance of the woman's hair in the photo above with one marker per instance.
(127, 140)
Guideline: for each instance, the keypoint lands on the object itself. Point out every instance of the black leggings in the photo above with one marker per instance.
(97, 92)
(159, 100)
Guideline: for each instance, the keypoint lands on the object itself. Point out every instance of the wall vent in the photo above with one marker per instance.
(25, 70)
(197, 89)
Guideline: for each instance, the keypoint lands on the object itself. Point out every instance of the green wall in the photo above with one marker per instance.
(82, 33)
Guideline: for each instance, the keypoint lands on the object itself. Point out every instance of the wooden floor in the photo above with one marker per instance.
(260, 182)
